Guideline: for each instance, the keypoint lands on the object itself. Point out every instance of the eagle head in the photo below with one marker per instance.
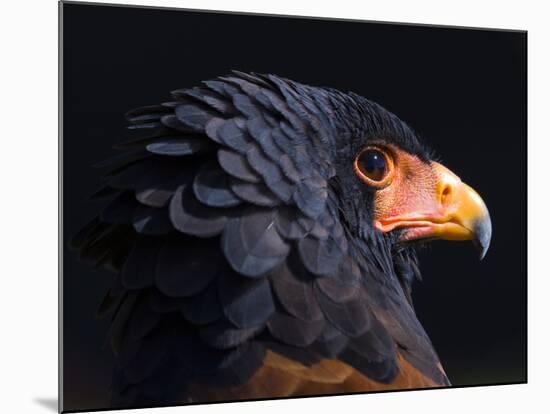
(387, 178)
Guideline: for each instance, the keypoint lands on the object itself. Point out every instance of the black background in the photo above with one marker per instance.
(463, 90)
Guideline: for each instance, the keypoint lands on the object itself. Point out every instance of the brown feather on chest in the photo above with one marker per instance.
(282, 377)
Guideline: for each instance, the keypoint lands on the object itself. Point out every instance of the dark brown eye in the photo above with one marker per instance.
(373, 164)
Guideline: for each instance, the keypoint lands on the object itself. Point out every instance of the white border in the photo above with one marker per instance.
(28, 171)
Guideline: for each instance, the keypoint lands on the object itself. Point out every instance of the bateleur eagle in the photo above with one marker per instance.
(262, 236)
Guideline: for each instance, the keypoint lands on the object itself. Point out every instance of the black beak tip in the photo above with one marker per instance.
(483, 231)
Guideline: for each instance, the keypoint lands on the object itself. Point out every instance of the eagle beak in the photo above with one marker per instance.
(453, 211)
(466, 216)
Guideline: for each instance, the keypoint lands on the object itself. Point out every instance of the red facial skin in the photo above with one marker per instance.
(425, 199)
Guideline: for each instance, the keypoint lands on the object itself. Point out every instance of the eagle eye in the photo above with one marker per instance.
(373, 166)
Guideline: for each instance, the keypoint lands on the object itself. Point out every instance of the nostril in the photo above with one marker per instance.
(445, 194)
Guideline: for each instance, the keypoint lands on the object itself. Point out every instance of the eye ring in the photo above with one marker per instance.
(374, 166)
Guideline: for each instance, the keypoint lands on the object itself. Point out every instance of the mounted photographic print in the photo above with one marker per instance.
(261, 207)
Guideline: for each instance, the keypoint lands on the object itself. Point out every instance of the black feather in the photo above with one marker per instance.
(222, 88)
(211, 99)
(257, 194)
(311, 200)
(233, 136)
(237, 166)
(185, 267)
(223, 334)
(246, 302)
(151, 220)
(382, 371)
(294, 331)
(320, 256)
(212, 127)
(193, 116)
(346, 285)
(251, 243)
(265, 137)
(139, 270)
(295, 295)
(211, 187)
(239, 365)
(292, 224)
(353, 318)
(172, 123)
(270, 172)
(191, 217)
(154, 197)
(333, 347)
(375, 344)
(146, 125)
(203, 308)
(179, 146)
(145, 111)
(245, 105)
